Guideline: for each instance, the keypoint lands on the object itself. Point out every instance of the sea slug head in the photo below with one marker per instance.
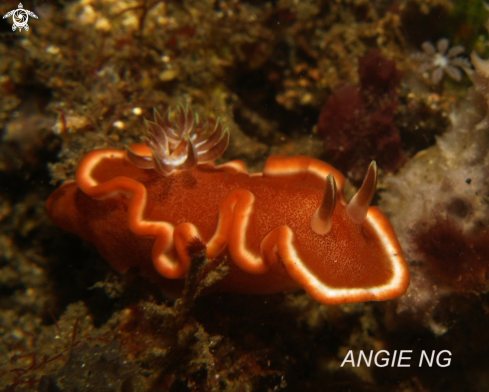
(352, 253)
(178, 140)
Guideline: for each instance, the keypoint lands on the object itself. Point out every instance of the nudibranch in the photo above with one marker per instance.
(287, 228)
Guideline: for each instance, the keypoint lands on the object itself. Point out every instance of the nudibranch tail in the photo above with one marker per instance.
(180, 141)
(322, 221)
(358, 207)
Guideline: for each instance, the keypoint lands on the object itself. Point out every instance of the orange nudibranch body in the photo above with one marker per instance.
(137, 217)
